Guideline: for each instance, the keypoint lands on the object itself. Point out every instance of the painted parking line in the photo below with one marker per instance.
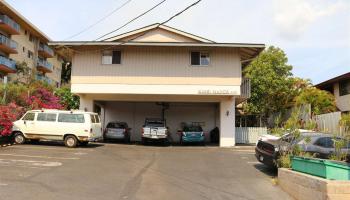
(34, 163)
(48, 148)
(45, 157)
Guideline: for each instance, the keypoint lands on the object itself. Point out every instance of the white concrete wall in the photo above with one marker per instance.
(227, 123)
(86, 104)
(134, 113)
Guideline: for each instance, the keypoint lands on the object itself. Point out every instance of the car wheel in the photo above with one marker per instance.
(19, 138)
(181, 141)
(143, 141)
(85, 143)
(70, 141)
(166, 142)
(127, 139)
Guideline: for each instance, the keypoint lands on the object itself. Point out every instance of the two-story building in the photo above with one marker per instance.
(340, 87)
(21, 41)
(159, 70)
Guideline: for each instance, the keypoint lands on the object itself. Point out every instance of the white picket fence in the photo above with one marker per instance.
(249, 135)
(329, 122)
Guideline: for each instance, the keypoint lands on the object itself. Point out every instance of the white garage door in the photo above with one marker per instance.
(134, 113)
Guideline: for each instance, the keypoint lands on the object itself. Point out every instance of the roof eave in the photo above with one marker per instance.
(342, 77)
(184, 44)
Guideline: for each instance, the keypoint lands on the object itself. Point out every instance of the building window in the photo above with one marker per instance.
(30, 54)
(111, 57)
(31, 38)
(200, 58)
(344, 87)
(24, 49)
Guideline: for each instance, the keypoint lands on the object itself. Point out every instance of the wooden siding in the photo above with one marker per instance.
(158, 65)
(158, 35)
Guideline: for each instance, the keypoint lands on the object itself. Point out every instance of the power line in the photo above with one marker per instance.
(99, 21)
(179, 13)
(171, 18)
(144, 13)
(164, 22)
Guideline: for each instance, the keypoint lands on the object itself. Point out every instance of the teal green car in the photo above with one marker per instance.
(192, 134)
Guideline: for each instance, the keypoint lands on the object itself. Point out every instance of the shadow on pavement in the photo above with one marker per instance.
(269, 171)
(58, 143)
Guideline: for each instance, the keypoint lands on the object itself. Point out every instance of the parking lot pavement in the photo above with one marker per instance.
(118, 171)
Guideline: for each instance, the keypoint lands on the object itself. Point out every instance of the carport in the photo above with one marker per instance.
(209, 111)
(175, 113)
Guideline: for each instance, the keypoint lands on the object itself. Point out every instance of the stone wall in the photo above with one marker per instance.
(305, 187)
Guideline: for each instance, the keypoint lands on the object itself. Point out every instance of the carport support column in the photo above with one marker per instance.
(86, 104)
(227, 123)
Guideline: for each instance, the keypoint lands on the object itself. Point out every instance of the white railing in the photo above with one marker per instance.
(249, 135)
(245, 88)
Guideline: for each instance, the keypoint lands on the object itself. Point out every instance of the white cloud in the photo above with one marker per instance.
(293, 17)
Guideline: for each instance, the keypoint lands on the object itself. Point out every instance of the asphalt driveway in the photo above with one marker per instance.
(118, 171)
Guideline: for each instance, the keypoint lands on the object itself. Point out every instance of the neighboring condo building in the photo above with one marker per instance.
(21, 41)
(340, 87)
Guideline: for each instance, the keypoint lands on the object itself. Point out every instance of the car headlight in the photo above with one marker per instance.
(183, 133)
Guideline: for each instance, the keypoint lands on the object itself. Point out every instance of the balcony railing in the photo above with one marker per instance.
(45, 50)
(43, 78)
(8, 45)
(245, 88)
(11, 26)
(44, 66)
(7, 65)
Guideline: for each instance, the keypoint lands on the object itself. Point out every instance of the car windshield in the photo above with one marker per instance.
(155, 123)
(193, 129)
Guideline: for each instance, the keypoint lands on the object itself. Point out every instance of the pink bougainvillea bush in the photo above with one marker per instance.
(43, 98)
(38, 98)
(8, 114)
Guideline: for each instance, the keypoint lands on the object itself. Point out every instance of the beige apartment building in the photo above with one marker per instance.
(340, 87)
(21, 41)
(159, 71)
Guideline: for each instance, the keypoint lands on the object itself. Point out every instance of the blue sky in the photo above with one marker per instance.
(315, 34)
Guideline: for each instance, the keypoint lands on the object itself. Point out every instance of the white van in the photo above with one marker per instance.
(72, 127)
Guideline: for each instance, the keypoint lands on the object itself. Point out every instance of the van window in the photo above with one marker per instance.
(29, 117)
(71, 118)
(92, 119)
(48, 117)
(95, 119)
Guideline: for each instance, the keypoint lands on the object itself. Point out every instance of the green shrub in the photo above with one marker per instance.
(284, 161)
(67, 99)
